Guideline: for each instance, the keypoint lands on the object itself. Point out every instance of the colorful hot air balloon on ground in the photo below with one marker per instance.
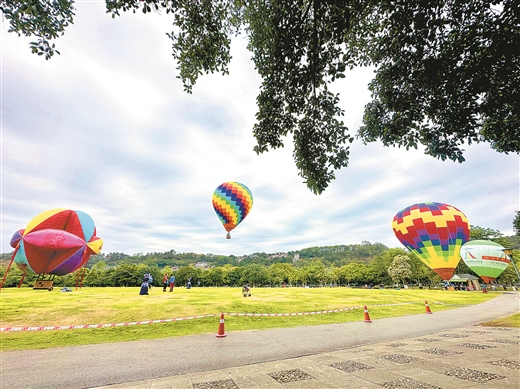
(435, 232)
(485, 258)
(232, 202)
(56, 242)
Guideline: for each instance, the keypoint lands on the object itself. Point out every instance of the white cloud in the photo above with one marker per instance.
(107, 129)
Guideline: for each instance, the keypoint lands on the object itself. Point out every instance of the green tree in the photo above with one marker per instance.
(216, 276)
(97, 275)
(421, 273)
(13, 277)
(380, 264)
(332, 275)
(316, 273)
(353, 272)
(299, 277)
(508, 276)
(255, 275)
(446, 72)
(185, 272)
(400, 269)
(496, 236)
(477, 232)
(516, 223)
(281, 272)
(443, 68)
(234, 276)
(45, 20)
(127, 274)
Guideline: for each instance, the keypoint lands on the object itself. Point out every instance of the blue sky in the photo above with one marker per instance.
(106, 128)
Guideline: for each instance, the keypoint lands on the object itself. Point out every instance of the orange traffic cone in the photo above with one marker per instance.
(427, 307)
(367, 316)
(221, 333)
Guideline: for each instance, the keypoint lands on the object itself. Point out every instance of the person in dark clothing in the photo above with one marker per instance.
(145, 285)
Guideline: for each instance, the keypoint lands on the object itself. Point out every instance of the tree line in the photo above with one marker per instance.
(350, 265)
(389, 267)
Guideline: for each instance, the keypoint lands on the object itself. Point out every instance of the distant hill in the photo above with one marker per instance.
(338, 255)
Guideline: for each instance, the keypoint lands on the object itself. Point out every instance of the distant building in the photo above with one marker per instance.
(296, 257)
(202, 265)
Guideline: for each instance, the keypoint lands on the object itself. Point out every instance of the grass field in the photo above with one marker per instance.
(27, 307)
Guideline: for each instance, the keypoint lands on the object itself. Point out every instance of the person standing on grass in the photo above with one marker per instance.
(165, 282)
(144, 285)
(172, 283)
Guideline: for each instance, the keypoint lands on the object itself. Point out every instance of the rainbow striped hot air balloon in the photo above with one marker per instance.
(58, 241)
(435, 232)
(232, 202)
(485, 258)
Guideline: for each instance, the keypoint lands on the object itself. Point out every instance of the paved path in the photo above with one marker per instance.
(243, 359)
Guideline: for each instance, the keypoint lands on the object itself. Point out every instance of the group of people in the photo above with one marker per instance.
(168, 281)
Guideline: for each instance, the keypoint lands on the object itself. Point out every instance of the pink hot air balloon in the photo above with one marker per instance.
(58, 241)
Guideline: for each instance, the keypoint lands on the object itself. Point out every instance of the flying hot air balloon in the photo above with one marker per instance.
(435, 232)
(485, 258)
(57, 242)
(232, 202)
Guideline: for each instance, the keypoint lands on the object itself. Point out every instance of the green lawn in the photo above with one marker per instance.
(28, 307)
(509, 321)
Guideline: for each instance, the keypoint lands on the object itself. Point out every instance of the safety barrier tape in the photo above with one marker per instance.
(133, 323)
(130, 323)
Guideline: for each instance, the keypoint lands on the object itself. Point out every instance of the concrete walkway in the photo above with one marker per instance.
(443, 350)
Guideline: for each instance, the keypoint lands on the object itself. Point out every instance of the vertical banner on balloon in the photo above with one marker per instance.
(435, 232)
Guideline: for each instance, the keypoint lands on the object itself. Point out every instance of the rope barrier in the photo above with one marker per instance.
(243, 314)
(239, 314)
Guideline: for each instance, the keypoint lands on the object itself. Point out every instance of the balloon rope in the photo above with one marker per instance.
(23, 278)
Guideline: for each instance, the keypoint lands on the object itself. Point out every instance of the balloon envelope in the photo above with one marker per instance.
(435, 232)
(58, 241)
(232, 202)
(485, 258)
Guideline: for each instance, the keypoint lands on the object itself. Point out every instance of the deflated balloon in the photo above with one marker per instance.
(435, 232)
(232, 202)
(58, 241)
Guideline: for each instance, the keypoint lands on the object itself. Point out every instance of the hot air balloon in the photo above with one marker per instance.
(232, 202)
(485, 258)
(56, 242)
(435, 232)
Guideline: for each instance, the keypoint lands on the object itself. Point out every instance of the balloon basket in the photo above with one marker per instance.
(44, 281)
(44, 284)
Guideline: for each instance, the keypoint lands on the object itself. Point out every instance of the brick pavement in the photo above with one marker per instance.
(463, 358)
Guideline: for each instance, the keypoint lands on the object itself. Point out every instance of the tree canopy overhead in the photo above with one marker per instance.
(447, 72)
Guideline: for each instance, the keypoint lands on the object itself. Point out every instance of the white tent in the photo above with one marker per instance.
(468, 278)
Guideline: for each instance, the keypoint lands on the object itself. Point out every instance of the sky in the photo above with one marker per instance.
(106, 128)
